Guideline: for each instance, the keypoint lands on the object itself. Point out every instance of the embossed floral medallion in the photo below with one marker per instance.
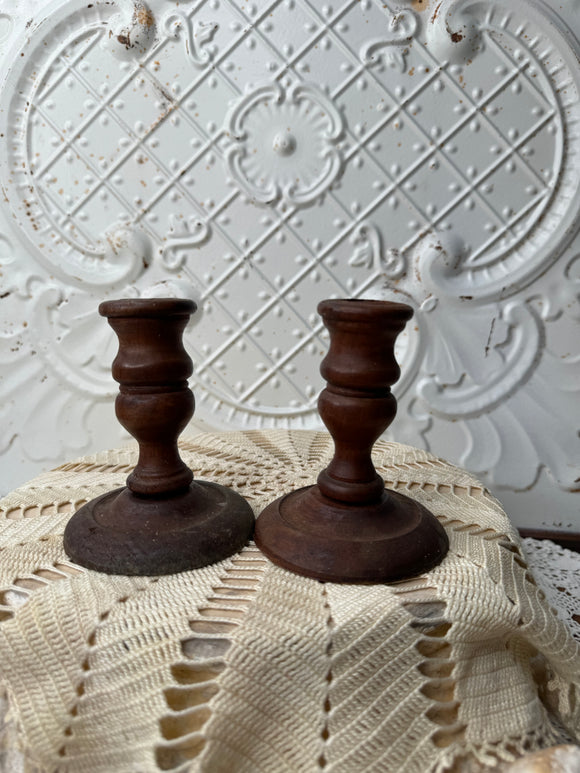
(284, 143)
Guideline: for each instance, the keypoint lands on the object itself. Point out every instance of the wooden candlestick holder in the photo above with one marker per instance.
(163, 521)
(348, 527)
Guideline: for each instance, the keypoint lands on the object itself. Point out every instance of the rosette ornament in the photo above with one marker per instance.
(284, 144)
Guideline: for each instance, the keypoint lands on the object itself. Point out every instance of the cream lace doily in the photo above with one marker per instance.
(557, 572)
(242, 666)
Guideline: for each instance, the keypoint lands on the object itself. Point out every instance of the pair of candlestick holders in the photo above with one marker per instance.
(346, 528)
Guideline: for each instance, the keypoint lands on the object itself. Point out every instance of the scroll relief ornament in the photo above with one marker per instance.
(197, 34)
(86, 176)
(54, 351)
(454, 32)
(490, 367)
(491, 304)
(392, 46)
(284, 143)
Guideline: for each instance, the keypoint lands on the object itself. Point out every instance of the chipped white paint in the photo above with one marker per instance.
(259, 157)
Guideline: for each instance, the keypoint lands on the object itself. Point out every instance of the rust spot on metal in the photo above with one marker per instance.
(164, 94)
(144, 16)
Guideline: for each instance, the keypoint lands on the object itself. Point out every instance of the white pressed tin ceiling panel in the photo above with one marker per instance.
(262, 156)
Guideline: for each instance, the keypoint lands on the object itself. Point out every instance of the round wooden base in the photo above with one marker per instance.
(318, 537)
(123, 533)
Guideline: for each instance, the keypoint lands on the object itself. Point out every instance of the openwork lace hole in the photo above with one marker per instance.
(189, 701)
(439, 690)
(188, 673)
(448, 736)
(436, 669)
(205, 649)
(434, 649)
(170, 757)
(185, 723)
(444, 713)
(212, 626)
(183, 698)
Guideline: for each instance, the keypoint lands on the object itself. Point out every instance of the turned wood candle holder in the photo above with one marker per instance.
(348, 527)
(163, 521)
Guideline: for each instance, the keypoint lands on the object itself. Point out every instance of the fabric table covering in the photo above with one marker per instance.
(244, 666)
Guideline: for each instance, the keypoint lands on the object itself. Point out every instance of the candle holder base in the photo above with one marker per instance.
(123, 533)
(163, 521)
(315, 536)
(348, 527)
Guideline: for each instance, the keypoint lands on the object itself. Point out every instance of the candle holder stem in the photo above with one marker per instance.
(348, 527)
(163, 521)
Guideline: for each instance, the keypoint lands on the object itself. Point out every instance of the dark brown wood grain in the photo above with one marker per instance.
(566, 539)
(348, 527)
(163, 521)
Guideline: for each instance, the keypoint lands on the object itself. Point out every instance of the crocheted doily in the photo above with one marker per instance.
(557, 572)
(243, 666)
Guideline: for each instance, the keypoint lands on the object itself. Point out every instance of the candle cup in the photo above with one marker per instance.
(348, 527)
(163, 521)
